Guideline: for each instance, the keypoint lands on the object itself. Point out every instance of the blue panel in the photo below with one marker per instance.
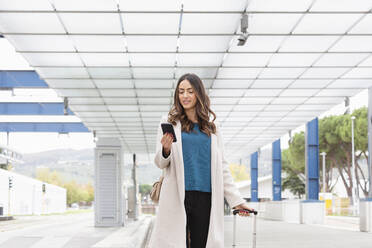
(277, 171)
(21, 79)
(254, 177)
(312, 145)
(32, 109)
(42, 127)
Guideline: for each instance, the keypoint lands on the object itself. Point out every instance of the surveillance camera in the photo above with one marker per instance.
(242, 39)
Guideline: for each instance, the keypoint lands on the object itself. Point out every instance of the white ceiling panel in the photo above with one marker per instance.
(203, 72)
(341, 5)
(105, 59)
(110, 100)
(359, 73)
(324, 100)
(247, 59)
(207, 59)
(153, 73)
(367, 61)
(241, 84)
(299, 59)
(153, 59)
(364, 84)
(273, 5)
(123, 108)
(258, 44)
(137, 23)
(151, 43)
(114, 83)
(96, 5)
(71, 83)
(307, 43)
(62, 72)
(167, 84)
(284, 73)
(77, 92)
(353, 44)
(88, 108)
(204, 43)
(271, 84)
(337, 92)
(212, 23)
(251, 100)
(153, 92)
(60, 43)
(99, 43)
(262, 92)
(214, 5)
(30, 23)
(149, 5)
(289, 100)
(341, 59)
(298, 92)
(326, 24)
(26, 5)
(53, 59)
(324, 72)
(90, 100)
(117, 92)
(364, 26)
(309, 83)
(272, 24)
(109, 72)
(238, 72)
(227, 93)
(91, 23)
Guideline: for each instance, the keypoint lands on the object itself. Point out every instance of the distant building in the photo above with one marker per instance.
(29, 196)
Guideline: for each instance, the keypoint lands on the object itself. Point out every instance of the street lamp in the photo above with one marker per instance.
(354, 189)
(324, 174)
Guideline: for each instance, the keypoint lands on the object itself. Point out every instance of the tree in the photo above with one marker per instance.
(292, 181)
(145, 189)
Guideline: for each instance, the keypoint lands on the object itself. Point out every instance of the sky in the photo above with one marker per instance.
(37, 142)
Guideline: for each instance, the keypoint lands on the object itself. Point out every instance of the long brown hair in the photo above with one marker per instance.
(202, 107)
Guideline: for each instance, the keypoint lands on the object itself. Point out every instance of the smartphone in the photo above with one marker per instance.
(168, 128)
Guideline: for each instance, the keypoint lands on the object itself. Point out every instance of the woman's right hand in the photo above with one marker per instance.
(167, 141)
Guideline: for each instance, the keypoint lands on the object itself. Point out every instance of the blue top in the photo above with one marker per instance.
(196, 151)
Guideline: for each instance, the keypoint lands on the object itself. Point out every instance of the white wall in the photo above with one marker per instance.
(264, 189)
(26, 196)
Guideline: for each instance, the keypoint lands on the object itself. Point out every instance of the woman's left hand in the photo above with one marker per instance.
(243, 206)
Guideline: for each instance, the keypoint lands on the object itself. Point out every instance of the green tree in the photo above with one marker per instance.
(145, 189)
(294, 177)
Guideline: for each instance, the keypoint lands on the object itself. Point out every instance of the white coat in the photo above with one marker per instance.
(169, 229)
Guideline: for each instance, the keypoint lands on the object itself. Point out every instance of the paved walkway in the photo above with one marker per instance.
(274, 234)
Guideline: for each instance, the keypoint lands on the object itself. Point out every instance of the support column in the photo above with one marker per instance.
(108, 195)
(365, 207)
(277, 171)
(254, 177)
(312, 210)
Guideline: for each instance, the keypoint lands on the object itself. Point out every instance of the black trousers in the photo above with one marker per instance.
(198, 209)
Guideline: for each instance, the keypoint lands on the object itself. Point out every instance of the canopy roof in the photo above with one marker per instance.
(118, 61)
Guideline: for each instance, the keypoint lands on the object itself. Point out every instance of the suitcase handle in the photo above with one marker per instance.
(236, 211)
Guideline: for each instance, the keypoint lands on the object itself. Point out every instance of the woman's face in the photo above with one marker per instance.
(187, 95)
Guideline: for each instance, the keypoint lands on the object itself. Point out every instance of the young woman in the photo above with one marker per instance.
(197, 177)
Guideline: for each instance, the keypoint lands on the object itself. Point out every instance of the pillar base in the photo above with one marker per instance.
(274, 210)
(312, 212)
(365, 215)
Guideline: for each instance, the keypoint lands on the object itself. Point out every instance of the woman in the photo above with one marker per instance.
(197, 178)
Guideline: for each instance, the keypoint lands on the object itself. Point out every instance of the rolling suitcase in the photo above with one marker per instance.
(235, 212)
